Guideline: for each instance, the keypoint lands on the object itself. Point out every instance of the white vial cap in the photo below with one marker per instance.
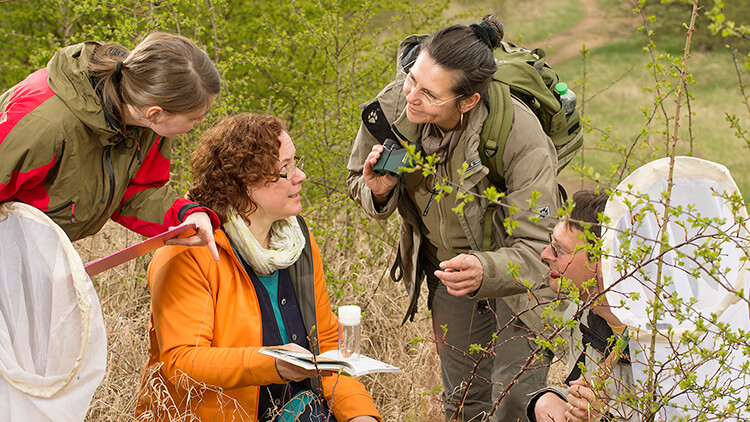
(350, 315)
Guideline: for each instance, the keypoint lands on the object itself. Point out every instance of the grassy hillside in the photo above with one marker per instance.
(619, 83)
(618, 80)
(525, 21)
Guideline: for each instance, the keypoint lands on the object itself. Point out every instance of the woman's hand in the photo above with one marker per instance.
(204, 235)
(381, 186)
(550, 408)
(292, 372)
(363, 419)
(583, 404)
(462, 274)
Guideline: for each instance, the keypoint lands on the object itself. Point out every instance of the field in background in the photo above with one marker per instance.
(617, 107)
(618, 80)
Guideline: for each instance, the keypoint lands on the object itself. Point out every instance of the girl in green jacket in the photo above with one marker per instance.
(87, 138)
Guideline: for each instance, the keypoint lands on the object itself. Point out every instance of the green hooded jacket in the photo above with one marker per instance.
(62, 155)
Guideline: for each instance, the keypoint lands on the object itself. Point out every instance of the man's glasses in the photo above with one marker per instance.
(558, 250)
(290, 170)
(424, 95)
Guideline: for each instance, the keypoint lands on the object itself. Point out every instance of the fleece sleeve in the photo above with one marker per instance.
(183, 309)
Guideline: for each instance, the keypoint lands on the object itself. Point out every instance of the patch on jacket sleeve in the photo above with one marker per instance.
(543, 211)
(374, 120)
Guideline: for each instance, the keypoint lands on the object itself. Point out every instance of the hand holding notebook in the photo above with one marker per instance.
(330, 361)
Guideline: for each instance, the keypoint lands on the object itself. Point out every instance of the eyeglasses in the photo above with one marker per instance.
(558, 250)
(424, 95)
(290, 170)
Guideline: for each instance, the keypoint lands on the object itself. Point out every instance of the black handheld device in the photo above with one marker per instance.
(392, 158)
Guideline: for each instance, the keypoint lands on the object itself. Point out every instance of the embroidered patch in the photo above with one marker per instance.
(543, 211)
(376, 123)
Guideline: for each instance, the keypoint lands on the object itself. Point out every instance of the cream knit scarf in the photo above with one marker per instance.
(287, 242)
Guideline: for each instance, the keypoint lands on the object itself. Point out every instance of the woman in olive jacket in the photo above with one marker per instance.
(438, 104)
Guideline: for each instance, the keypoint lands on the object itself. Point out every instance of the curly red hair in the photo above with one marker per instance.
(235, 154)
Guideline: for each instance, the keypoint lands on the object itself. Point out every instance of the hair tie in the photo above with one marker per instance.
(485, 33)
(118, 70)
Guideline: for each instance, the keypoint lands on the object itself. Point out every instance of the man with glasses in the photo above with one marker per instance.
(574, 268)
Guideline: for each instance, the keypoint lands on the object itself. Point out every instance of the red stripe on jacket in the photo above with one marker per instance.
(153, 173)
(149, 229)
(26, 186)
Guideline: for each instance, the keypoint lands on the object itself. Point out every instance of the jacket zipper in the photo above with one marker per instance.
(432, 192)
(441, 220)
(138, 150)
(69, 204)
(429, 203)
(111, 172)
(469, 172)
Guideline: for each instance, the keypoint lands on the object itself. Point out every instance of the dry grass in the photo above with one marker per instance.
(124, 297)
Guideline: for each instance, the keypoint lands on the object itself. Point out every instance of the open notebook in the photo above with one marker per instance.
(330, 361)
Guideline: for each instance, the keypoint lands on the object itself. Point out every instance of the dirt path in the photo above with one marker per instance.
(594, 30)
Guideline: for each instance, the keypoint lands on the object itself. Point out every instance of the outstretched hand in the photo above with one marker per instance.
(582, 405)
(461, 275)
(204, 234)
(381, 186)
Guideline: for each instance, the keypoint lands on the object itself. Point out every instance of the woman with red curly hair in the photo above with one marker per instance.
(209, 319)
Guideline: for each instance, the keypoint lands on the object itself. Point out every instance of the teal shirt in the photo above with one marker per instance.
(271, 283)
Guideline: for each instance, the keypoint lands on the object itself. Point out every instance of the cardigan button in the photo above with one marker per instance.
(294, 337)
(283, 301)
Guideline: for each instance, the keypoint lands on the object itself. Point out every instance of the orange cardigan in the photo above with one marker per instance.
(204, 335)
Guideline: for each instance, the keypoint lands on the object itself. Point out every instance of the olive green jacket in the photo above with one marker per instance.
(530, 165)
(61, 155)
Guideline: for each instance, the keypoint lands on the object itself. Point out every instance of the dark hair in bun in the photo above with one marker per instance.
(467, 50)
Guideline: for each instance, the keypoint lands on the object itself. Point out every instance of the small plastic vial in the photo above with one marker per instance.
(567, 98)
(350, 318)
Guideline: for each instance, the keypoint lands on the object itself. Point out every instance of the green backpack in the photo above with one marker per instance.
(526, 75)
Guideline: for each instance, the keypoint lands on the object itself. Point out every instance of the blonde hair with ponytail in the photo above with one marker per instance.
(164, 70)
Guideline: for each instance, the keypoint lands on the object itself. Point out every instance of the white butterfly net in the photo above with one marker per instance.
(699, 270)
(52, 339)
